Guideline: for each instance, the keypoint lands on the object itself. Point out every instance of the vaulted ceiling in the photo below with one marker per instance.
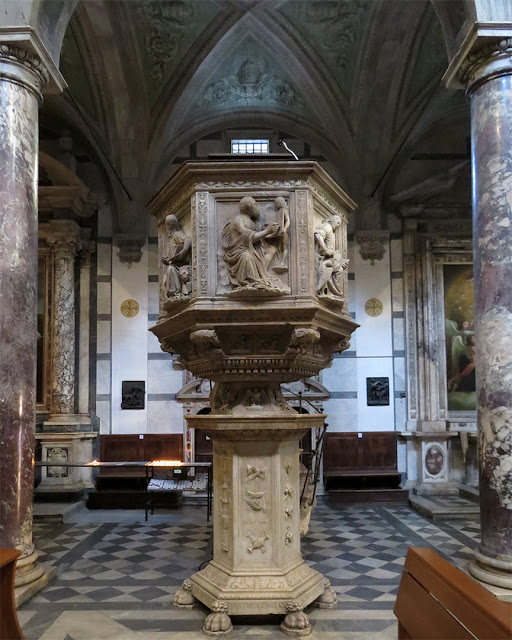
(360, 79)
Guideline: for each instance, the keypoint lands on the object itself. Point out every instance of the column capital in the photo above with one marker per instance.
(25, 60)
(485, 53)
(64, 237)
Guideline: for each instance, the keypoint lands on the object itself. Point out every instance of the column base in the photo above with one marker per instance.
(261, 592)
(42, 575)
(492, 570)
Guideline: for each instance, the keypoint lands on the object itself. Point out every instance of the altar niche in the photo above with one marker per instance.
(267, 306)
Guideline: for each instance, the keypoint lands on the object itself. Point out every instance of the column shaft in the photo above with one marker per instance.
(65, 242)
(19, 94)
(491, 117)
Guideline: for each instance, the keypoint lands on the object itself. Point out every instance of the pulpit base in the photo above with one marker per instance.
(260, 593)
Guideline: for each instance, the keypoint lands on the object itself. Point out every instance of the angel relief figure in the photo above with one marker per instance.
(247, 252)
(329, 262)
(177, 278)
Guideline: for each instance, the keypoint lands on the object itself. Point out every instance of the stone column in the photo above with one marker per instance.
(64, 241)
(22, 77)
(487, 73)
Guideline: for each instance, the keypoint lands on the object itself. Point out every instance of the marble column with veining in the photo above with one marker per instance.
(488, 75)
(64, 241)
(21, 79)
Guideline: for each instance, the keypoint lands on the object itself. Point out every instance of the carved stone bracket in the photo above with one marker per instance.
(87, 248)
(130, 248)
(372, 244)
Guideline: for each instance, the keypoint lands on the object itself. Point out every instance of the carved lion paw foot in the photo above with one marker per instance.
(218, 623)
(328, 599)
(296, 623)
(183, 598)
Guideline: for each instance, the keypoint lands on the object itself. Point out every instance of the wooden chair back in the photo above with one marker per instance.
(9, 626)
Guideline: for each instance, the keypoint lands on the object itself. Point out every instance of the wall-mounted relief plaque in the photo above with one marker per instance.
(377, 392)
(133, 394)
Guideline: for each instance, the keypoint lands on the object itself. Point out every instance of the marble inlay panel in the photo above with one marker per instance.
(341, 375)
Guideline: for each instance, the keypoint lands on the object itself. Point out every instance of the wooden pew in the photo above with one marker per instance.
(437, 601)
(362, 467)
(9, 626)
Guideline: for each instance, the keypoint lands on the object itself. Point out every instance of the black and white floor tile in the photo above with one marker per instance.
(116, 580)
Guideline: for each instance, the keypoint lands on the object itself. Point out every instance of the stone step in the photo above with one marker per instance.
(366, 495)
(469, 492)
(444, 508)
(58, 512)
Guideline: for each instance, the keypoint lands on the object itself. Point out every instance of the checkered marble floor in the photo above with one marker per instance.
(115, 581)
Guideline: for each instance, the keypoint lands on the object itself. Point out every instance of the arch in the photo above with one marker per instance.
(264, 118)
(421, 131)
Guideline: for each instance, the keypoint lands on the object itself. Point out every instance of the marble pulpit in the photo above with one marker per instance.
(253, 261)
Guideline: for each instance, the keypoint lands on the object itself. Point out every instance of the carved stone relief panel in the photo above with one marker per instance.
(175, 244)
(224, 490)
(253, 246)
(54, 455)
(256, 488)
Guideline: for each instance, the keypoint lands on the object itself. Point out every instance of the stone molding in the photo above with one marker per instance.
(485, 53)
(25, 59)
(492, 60)
(372, 244)
(20, 66)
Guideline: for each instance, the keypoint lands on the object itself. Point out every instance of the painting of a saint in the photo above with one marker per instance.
(459, 303)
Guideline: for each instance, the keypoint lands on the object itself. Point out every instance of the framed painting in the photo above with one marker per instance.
(459, 309)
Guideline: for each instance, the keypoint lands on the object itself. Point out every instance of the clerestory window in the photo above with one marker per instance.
(249, 146)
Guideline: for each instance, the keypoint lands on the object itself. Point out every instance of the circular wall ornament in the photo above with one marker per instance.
(129, 308)
(373, 307)
(434, 459)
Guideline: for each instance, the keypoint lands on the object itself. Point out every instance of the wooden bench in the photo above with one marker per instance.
(9, 626)
(362, 467)
(437, 601)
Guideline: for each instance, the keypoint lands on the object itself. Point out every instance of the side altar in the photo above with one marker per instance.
(254, 294)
